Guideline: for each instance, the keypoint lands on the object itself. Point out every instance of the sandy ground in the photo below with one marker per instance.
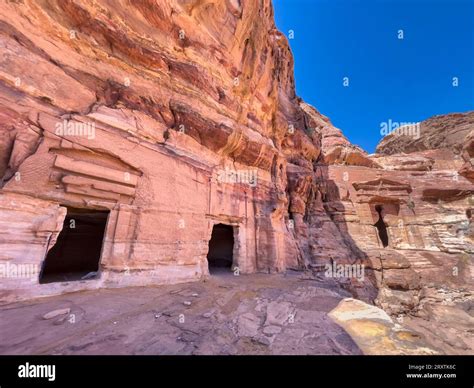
(227, 314)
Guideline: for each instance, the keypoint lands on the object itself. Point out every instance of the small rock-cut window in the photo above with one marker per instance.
(381, 227)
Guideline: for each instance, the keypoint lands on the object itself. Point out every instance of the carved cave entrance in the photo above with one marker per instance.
(77, 251)
(381, 227)
(221, 249)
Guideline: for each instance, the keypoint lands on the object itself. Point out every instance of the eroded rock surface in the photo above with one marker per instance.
(448, 131)
(158, 112)
(375, 332)
(247, 314)
(418, 207)
(174, 116)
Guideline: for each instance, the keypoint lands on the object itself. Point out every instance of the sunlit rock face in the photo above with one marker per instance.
(449, 132)
(175, 116)
(411, 217)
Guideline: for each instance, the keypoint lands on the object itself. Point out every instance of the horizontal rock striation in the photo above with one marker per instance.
(157, 112)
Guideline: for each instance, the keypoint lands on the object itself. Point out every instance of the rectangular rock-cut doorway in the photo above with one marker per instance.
(76, 254)
(220, 256)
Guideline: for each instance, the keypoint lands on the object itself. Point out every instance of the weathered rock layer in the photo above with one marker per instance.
(157, 111)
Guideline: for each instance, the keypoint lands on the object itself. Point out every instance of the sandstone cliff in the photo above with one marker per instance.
(137, 109)
(439, 132)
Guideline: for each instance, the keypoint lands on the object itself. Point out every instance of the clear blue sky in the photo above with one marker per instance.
(405, 80)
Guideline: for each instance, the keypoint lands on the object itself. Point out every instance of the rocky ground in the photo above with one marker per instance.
(247, 314)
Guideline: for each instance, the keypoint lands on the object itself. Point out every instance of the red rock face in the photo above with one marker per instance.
(449, 131)
(172, 115)
(178, 115)
(411, 219)
(467, 154)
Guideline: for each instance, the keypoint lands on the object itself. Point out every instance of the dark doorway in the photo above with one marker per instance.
(381, 227)
(221, 248)
(76, 254)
